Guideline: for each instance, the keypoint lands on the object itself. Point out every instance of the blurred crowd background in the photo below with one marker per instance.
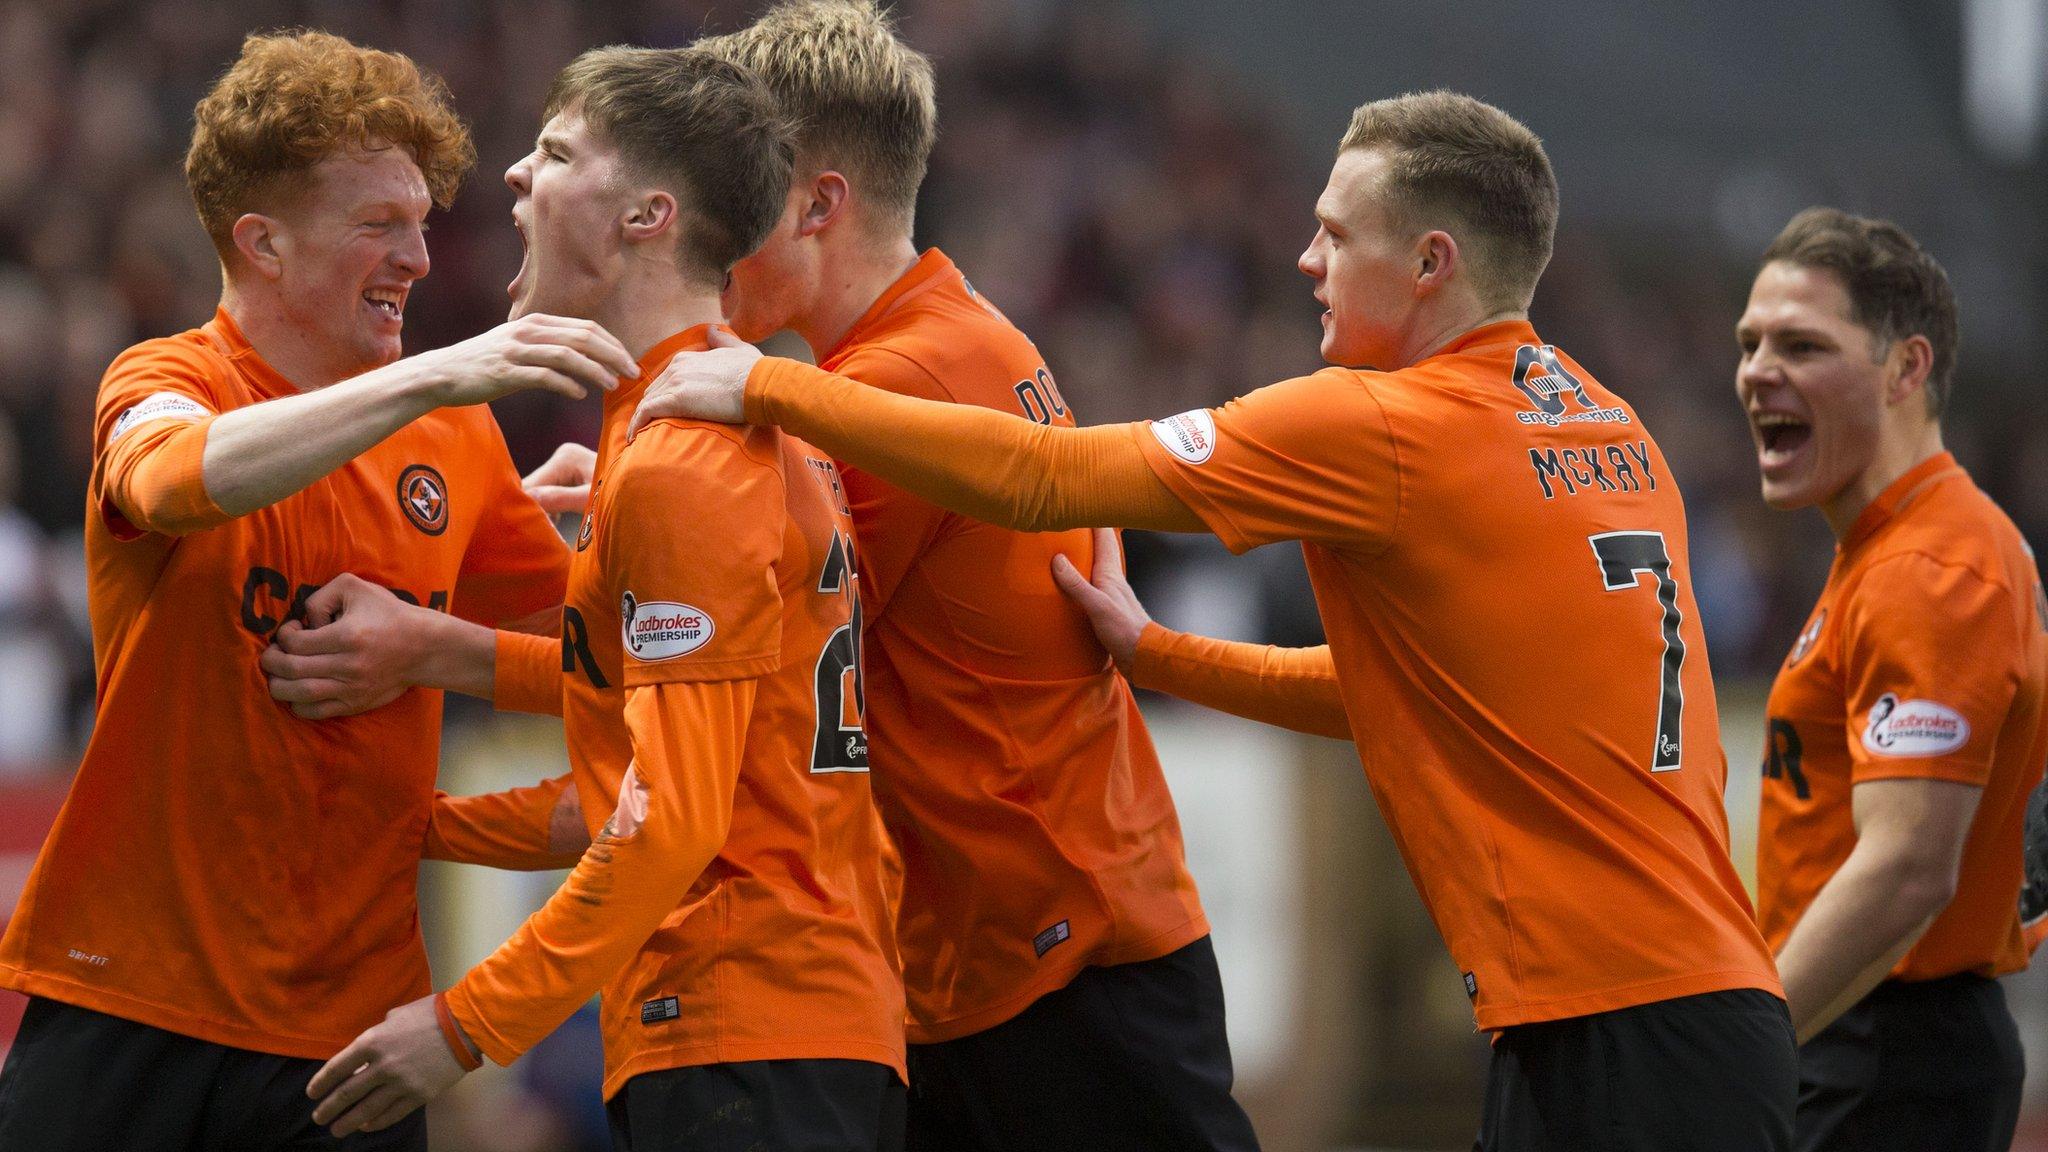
(1131, 182)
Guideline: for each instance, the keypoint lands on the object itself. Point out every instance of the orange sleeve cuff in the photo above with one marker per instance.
(450, 1032)
(1293, 688)
(528, 675)
(511, 829)
(154, 480)
(995, 467)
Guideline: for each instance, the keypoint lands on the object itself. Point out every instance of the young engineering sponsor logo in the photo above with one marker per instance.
(1914, 728)
(1190, 436)
(423, 497)
(662, 629)
(1541, 376)
(162, 405)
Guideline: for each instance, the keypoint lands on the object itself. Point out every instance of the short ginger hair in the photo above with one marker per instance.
(865, 102)
(1463, 162)
(291, 100)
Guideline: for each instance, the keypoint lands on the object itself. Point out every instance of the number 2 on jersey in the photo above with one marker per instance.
(1623, 557)
(840, 743)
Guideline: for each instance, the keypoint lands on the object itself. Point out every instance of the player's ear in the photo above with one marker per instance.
(1436, 259)
(1912, 360)
(827, 198)
(257, 239)
(649, 215)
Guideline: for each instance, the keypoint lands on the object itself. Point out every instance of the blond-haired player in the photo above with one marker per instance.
(1499, 555)
(229, 893)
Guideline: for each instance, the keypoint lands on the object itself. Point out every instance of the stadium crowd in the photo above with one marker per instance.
(1134, 210)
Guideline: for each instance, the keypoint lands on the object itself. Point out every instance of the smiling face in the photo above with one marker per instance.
(350, 245)
(570, 199)
(1364, 262)
(1813, 383)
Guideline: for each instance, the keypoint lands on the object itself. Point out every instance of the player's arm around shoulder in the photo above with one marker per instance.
(262, 453)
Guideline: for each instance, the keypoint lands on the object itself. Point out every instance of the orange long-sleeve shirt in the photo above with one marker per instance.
(731, 904)
(1294, 688)
(1543, 741)
(221, 868)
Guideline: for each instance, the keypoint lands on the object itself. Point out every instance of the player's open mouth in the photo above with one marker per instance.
(386, 302)
(1780, 437)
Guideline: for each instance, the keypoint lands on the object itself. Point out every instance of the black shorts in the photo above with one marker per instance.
(1708, 1073)
(1932, 1064)
(749, 1105)
(82, 1081)
(1129, 1058)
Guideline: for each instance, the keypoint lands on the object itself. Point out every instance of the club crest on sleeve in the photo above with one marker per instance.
(423, 497)
(1190, 436)
(656, 630)
(583, 533)
(1914, 728)
(1804, 644)
(162, 405)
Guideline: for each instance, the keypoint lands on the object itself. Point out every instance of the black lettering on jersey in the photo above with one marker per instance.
(1571, 461)
(262, 579)
(1623, 473)
(576, 655)
(1782, 756)
(1040, 398)
(264, 588)
(1591, 458)
(1641, 451)
(1547, 468)
(839, 741)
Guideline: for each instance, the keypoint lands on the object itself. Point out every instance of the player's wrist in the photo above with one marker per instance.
(466, 1052)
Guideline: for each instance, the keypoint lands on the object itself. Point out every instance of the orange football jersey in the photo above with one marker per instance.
(1499, 555)
(1011, 764)
(709, 556)
(221, 868)
(1925, 658)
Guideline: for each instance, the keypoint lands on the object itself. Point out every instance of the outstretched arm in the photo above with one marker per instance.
(673, 813)
(989, 465)
(532, 829)
(1293, 688)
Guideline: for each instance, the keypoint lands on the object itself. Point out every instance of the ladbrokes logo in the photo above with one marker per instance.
(1914, 728)
(1190, 435)
(662, 629)
(1541, 376)
(423, 497)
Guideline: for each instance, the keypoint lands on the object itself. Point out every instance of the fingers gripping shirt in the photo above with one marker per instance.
(173, 889)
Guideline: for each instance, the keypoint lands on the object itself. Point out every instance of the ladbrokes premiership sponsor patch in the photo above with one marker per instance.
(662, 629)
(1190, 435)
(173, 405)
(1914, 728)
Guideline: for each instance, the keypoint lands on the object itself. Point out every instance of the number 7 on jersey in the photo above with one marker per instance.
(1623, 557)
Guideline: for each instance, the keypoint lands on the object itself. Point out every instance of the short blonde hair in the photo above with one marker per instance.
(1463, 158)
(864, 101)
(291, 100)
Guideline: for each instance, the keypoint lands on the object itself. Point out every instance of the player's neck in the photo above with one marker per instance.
(1896, 455)
(853, 275)
(653, 302)
(286, 346)
(1433, 337)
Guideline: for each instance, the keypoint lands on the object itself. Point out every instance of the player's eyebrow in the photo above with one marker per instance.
(552, 142)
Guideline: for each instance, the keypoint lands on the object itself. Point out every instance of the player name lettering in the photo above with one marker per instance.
(1621, 467)
(269, 598)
